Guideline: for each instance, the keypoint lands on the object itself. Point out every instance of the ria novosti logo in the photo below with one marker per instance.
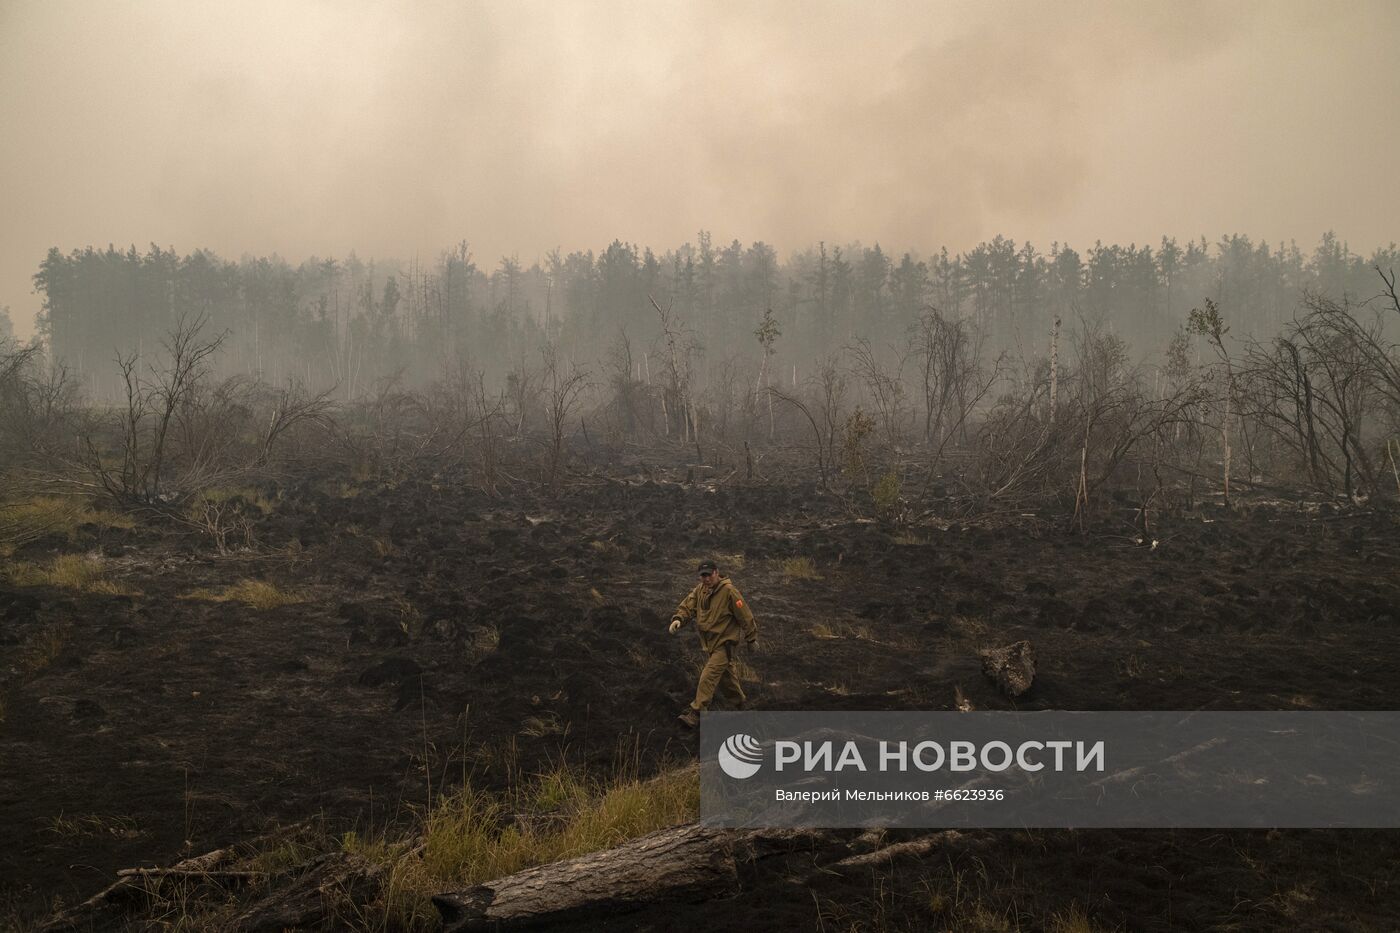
(740, 756)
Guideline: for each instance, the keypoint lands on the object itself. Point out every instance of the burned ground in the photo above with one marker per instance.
(427, 630)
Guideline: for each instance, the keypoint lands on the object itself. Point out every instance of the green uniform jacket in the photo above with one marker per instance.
(721, 615)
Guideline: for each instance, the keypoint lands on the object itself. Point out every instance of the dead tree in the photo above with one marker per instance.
(1030, 454)
(487, 409)
(1209, 323)
(767, 334)
(821, 408)
(291, 405)
(884, 389)
(1328, 392)
(524, 391)
(563, 384)
(152, 400)
(677, 396)
(37, 407)
(627, 391)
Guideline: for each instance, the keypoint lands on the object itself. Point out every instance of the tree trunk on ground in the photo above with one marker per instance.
(685, 863)
(688, 863)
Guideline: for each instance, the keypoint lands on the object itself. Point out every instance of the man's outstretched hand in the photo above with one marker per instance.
(675, 626)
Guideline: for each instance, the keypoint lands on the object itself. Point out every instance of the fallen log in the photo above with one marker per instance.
(137, 888)
(327, 885)
(682, 864)
(685, 862)
(137, 885)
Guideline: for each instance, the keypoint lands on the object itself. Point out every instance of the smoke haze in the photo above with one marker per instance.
(318, 128)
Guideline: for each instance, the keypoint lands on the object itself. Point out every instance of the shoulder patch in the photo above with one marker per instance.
(738, 602)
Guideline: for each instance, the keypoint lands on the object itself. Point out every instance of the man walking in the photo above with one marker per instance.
(721, 616)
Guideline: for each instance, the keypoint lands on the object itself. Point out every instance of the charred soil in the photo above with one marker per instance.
(385, 638)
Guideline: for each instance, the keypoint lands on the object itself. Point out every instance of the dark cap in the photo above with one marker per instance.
(707, 566)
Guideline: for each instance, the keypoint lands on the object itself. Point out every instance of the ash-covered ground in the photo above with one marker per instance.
(438, 631)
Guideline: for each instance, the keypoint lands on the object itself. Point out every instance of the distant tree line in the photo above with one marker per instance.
(996, 382)
(353, 323)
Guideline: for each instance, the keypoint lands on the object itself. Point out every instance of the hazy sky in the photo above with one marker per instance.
(393, 128)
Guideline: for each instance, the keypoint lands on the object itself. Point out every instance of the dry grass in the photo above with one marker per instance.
(283, 855)
(485, 641)
(540, 726)
(185, 906)
(256, 593)
(409, 619)
(946, 899)
(798, 568)
(30, 518)
(1074, 919)
(728, 563)
(829, 630)
(608, 550)
(42, 648)
(222, 495)
(474, 836)
(968, 628)
(86, 573)
(92, 825)
(1130, 667)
